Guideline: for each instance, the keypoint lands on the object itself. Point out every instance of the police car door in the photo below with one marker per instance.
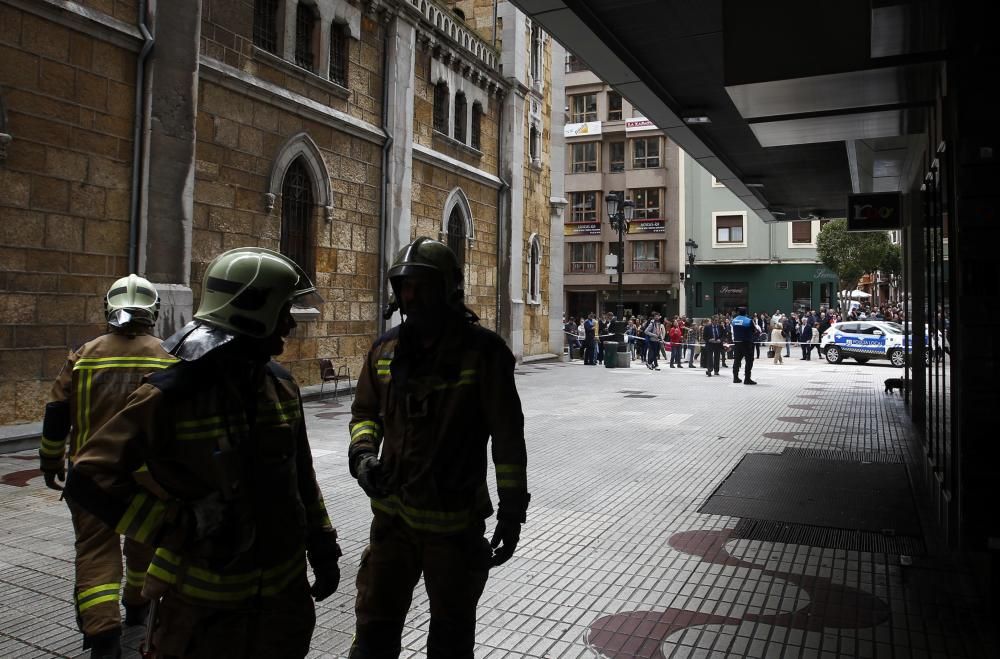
(871, 340)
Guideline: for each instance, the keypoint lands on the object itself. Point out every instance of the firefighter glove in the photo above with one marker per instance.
(51, 476)
(323, 556)
(370, 476)
(504, 541)
(209, 514)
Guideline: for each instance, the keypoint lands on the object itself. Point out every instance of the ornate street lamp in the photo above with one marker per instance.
(691, 246)
(620, 212)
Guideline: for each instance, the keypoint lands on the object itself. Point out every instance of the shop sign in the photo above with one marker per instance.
(874, 211)
(647, 226)
(636, 124)
(587, 129)
(582, 229)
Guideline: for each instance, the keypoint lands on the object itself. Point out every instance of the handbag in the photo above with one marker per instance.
(770, 353)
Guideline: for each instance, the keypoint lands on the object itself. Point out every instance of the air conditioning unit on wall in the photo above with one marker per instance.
(782, 285)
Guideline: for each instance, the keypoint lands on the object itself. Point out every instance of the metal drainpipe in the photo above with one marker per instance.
(140, 103)
(504, 186)
(384, 211)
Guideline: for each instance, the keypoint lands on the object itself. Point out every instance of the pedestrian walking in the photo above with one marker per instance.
(744, 337)
(92, 387)
(434, 392)
(777, 342)
(236, 511)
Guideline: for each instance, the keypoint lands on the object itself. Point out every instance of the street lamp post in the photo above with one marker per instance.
(690, 246)
(620, 213)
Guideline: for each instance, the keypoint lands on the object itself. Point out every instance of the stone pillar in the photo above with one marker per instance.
(165, 229)
(399, 74)
(557, 201)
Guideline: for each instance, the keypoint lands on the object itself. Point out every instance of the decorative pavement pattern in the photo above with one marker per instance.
(615, 561)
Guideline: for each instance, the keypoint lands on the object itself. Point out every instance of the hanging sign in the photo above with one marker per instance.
(587, 129)
(639, 123)
(874, 211)
(647, 226)
(582, 229)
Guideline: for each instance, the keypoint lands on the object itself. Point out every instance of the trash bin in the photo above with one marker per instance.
(610, 354)
(624, 358)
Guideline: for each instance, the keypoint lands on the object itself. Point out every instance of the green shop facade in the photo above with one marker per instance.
(722, 288)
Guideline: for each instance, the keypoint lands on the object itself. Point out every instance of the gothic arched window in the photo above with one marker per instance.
(441, 107)
(297, 210)
(535, 271)
(456, 235)
(306, 36)
(265, 25)
(460, 112)
(477, 121)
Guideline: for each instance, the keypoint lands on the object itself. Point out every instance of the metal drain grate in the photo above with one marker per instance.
(841, 455)
(822, 536)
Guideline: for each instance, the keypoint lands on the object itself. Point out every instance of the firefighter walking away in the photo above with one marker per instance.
(92, 387)
(434, 394)
(238, 511)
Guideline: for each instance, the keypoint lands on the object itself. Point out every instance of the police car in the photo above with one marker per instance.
(862, 340)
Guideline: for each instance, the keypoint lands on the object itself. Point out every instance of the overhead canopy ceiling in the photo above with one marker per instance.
(807, 102)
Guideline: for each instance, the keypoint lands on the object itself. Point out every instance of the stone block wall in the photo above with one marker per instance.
(64, 195)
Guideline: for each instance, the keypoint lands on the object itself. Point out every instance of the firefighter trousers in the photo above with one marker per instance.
(455, 568)
(274, 627)
(99, 573)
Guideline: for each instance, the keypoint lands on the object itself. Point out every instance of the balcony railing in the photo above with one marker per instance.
(646, 265)
(583, 267)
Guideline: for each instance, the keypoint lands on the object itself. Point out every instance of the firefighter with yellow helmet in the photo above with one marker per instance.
(92, 387)
(239, 512)
(434, 392)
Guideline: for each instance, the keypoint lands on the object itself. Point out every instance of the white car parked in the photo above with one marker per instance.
(862, 340)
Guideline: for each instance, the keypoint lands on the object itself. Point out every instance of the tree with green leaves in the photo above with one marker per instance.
(851, 254)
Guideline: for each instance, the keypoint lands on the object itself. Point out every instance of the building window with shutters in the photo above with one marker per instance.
(265, 25)
(297, 210)
(456, 235)
(801, 233)
(477, 125)
(460, 116)
(306, 36)
(614, 106)
(728, 229)
(339, 53)
(535, 271)
(441, 97)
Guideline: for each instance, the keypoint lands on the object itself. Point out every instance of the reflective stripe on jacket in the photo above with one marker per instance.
(432, 413)
(93, 386)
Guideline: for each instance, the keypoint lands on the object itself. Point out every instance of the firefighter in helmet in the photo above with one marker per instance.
(91, 388)
(434, 392)
(239, 510)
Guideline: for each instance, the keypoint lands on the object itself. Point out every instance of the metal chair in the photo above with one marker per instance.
(335, 374)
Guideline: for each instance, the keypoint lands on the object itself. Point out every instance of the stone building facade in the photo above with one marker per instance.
(335, 131)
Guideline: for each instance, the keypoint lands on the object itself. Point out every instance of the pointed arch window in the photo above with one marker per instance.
(441, 107)
(477, 123)
(265, 25)
(297, 210)
(456, 235)
(305, 36)
(535, 271)
(534, 145)
(339, 53)
(461, 110)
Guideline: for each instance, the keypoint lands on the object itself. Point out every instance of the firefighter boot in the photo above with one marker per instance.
(107, 645)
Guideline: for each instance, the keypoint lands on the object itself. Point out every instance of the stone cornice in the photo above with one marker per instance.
(239, 81)
(83, 19)
(438, 159)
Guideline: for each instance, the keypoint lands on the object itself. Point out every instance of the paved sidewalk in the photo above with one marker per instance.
(615, 560)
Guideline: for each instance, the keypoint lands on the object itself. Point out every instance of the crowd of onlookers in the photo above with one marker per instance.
(680, 339)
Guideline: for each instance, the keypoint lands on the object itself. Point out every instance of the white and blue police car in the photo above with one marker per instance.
(862, 340)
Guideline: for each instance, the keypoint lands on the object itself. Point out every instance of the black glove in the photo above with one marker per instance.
(370, 476)
(52, 476)
(507, 533)
(323, 555)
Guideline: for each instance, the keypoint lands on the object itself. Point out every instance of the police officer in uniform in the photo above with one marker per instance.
(744, 336)
(92, 387)
(236, 511)
(433, 394)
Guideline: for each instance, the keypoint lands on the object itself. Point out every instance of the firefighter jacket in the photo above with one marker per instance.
(432, 412)
(92, 387)
(225, 441)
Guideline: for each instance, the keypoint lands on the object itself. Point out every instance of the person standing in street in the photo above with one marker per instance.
(744, 336)
(777, 342)
(788, 327)
(590, 341)
(433, 394)
(654, 337)
(712, 347)
(234, 511)
(92, 387)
